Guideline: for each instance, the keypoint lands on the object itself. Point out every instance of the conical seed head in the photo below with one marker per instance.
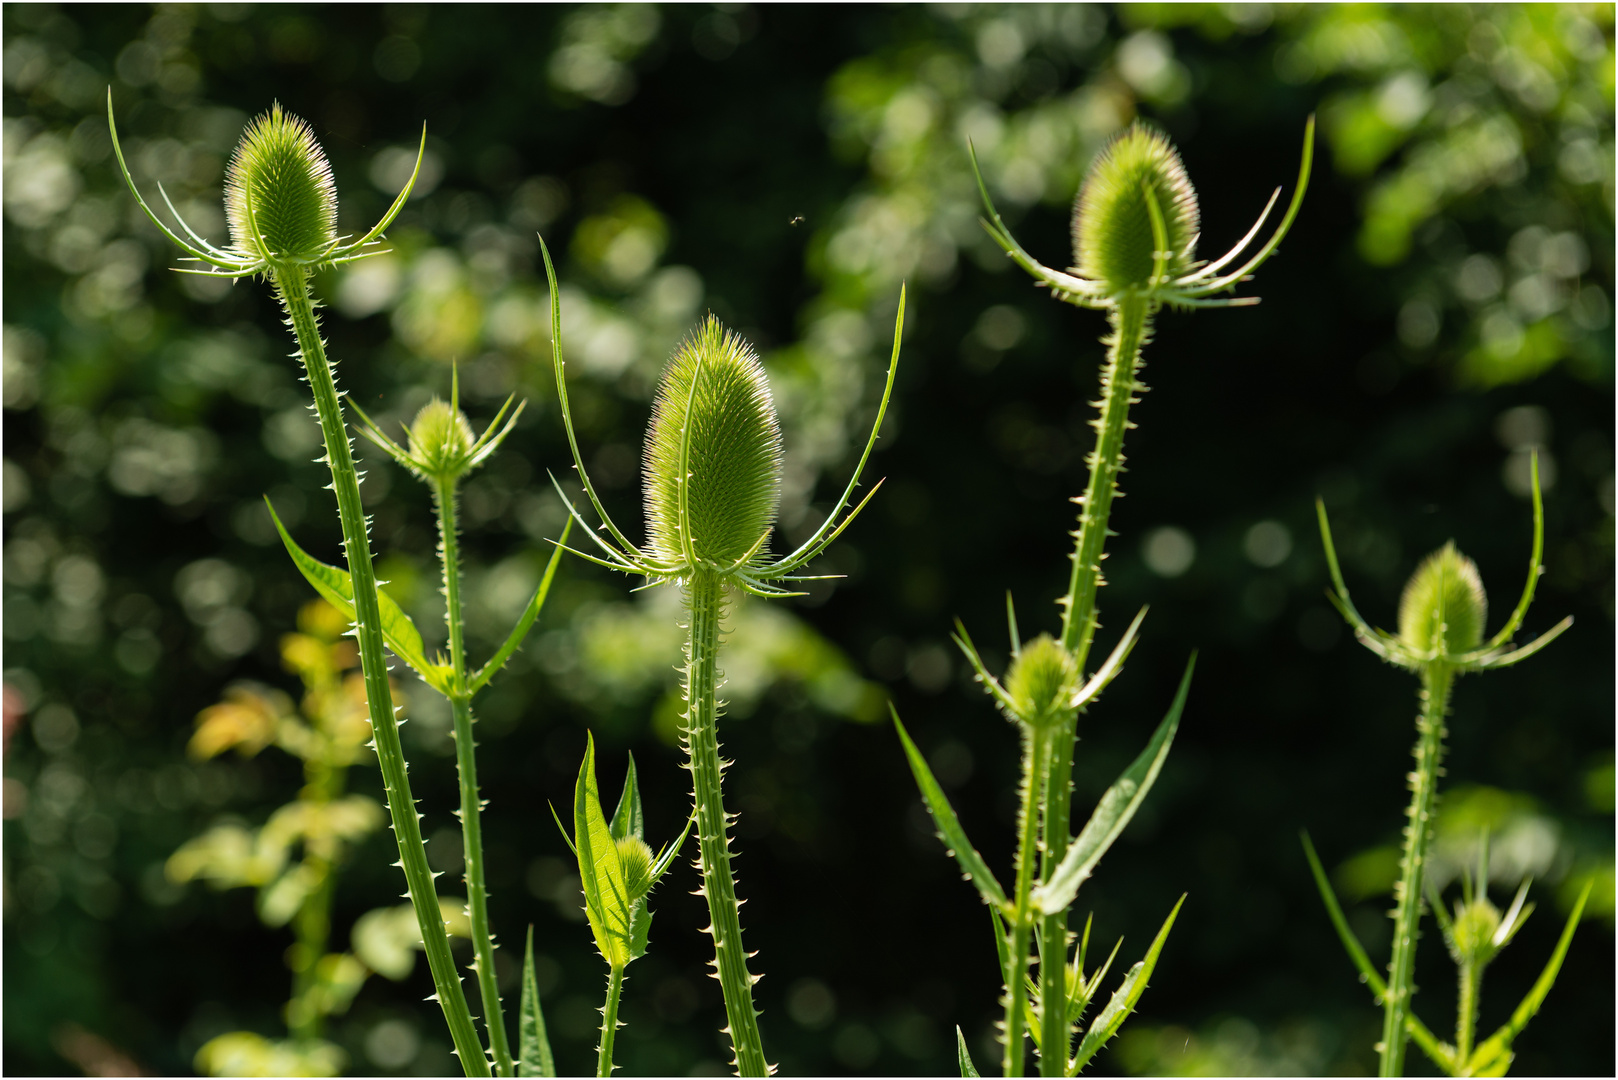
(733, 452)
(636, 859)
(1040, 682)
(1445, 591)
(1112, 224)
(440, 437)
(280, 181)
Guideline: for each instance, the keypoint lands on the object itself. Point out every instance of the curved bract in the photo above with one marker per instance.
(713, 454)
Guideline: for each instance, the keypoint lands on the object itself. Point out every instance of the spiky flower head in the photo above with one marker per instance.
(1443, 607)
(1041, 681)
(441, 439)
(1473, 936)
(636, 859)
(713, 454)
(1112, 223)
(280, 200)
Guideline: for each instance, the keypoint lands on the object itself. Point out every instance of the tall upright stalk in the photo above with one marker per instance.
(466, 765)
(609, 1020)
(1036, 756)
(1437, 679)
(292, 289)
(705, 604)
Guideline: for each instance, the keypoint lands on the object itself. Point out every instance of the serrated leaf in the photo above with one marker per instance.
(972, 864)
(533, 1044)
(628, 819)
(337, 589)
(1114, 811)
(963, 1057)
(606, 899)
(1123, 1000)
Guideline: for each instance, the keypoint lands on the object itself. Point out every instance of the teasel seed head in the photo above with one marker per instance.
(730, 460)
(636, 858)
(441, 439)
(1112, 222)
(1443, 606)
(280, 200)
(1041, 681)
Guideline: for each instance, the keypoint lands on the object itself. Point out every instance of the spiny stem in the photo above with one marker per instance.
(292, 288)
(466, 765)
(1055, 1033)
(704, 600)
(1036, 752)
(1466, 1013)
(1437, 678)
(609, 1021)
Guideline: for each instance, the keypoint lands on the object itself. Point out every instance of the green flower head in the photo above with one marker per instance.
(1443, 606)
(1041, 681)
(1112, 219)
(713, 454)
(280, 200)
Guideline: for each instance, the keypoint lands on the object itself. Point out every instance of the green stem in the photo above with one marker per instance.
(1437, 678)
(1131, 325)
(705, 599)
(466, 764)
(292, 288)
(1036, 753)
(609, 1021)
(1466, 1013)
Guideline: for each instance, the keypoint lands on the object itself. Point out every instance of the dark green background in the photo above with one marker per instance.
(758, 137)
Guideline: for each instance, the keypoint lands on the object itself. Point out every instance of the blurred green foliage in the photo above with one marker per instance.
(1442, 310)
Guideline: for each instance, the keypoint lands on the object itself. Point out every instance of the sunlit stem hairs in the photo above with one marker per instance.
(1135, 228)
(712, 485)
(281, 206)
(1440, 637)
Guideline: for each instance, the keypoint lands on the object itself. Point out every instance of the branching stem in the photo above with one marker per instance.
(292, 288)
(1437, 679)
(466, 765)
(705, 601)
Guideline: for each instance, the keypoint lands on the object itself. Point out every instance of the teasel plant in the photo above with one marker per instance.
(712, 471)
(281, 208)
(1442, 612)
(617, 870)
(1136, 223)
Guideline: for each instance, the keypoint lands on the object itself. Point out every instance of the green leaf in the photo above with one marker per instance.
(972, 864)
(640, 929)
(1123, 1000)
(1002, 945)
(337, 589)
(1494, 1053)
(628, 820)
(962, 1057)
(1114, 811)
(533, 1044)
(526, 623)
(606, 901)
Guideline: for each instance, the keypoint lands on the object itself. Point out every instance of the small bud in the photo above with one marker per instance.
(636, 859)
(440, 439)
(280, 181)
(734, 458)
(1040, 682)
(1445, 591)
(1472, 936)
(1112, 226)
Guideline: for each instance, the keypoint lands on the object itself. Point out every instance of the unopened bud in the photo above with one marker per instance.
(280, 200)
(1040, 682)
(1443, 607)
(440, 438)
(636, 859)
(1113, 240)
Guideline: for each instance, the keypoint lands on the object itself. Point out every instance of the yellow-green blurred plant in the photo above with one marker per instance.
(295, 858)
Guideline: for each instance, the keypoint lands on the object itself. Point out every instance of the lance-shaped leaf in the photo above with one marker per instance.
(533, 1044)
(606, 899)
(526, 623)
(1493, 1056)
(1442, 1053)
(1117, 806)
(963, 1057)
(949, 826)
(337, 588)
(1123, 1000)
(628, 819)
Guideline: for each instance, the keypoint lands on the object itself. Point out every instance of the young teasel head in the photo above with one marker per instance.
(280, 200)
(1041, 682)
(440, 445)
(712, 464)
(1136, 177)
(280, 203)
(1443, 608)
